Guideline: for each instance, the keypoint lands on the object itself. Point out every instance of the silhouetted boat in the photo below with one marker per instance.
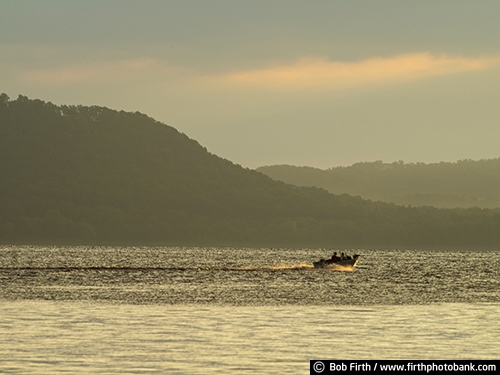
(347, 264)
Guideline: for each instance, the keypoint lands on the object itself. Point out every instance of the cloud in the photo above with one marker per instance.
(114, 71)
(311, 73)
(320, 73)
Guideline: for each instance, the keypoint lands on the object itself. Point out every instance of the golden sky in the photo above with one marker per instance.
(271, 82)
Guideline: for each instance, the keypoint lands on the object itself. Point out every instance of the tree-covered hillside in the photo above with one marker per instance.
(75, 174)
(464, 184)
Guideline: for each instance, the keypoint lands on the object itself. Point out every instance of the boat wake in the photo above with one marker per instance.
(279, 267)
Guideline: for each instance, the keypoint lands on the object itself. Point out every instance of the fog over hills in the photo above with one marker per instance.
(92, 175)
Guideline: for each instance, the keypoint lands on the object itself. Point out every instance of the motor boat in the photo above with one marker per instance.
(346, 264)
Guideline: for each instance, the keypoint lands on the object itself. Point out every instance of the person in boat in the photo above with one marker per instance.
(334, 258)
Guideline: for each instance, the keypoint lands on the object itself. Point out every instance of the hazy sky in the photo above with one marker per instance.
(317, 83)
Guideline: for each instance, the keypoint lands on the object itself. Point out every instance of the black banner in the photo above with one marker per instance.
(330, 366)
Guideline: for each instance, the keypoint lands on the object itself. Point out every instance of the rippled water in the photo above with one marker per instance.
(214, 310)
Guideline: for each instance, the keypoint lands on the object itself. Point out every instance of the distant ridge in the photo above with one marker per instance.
(464, 184)
(92, 175)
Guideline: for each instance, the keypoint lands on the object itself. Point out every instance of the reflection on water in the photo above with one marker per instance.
(246, 276)
(210, 311)
(75, 337)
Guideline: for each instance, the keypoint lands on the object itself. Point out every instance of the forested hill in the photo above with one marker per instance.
(465, 183)
(92, 175)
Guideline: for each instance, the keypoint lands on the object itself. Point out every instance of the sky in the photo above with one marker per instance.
(264, 82)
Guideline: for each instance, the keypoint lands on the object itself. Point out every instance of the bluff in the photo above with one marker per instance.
(464, 184)
(92, 175)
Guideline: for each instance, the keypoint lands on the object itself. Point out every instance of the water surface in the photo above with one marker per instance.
(217, 310)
